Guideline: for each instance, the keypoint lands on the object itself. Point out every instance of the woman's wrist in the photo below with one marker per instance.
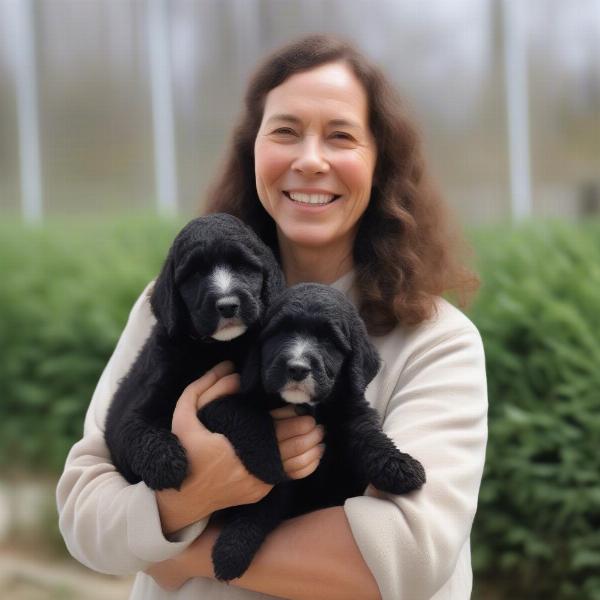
(176, 511)
(196, 561)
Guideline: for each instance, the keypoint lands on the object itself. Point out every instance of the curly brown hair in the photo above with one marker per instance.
(407, 250)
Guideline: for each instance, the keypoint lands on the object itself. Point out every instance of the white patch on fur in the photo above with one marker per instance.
(298, 392)
(228, 329)
(295, 396)
(222, 279)
(299, 348)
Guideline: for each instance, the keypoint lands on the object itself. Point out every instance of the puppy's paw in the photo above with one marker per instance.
(397, 473)
(231, 555)
(165, 464)
(267, 468)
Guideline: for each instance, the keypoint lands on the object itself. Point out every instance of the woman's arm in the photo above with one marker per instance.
(107, 524)
(311, 557)
(416, 543)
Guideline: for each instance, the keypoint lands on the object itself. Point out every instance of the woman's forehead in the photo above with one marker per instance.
(331, 89)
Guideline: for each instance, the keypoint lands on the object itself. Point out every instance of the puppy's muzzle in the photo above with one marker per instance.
(228, 307)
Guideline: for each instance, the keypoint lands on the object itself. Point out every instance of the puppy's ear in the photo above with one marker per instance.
(165, 300)
(250, 374)
(272, 323)
(363, 363)
(273, 280)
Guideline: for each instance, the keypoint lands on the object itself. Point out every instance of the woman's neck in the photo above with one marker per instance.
(319, 265)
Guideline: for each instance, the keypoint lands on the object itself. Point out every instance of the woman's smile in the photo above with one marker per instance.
(311, 198)
(312, 201)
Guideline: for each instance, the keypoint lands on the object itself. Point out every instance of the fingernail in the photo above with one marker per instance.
(322, 447)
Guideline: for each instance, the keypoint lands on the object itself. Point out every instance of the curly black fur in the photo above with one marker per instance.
(314, 347)
(218, 279)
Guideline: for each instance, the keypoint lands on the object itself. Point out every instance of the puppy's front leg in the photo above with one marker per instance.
(250, 431)
(388, 469)
(152, 454)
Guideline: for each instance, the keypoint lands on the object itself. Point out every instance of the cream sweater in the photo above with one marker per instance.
(432, 397)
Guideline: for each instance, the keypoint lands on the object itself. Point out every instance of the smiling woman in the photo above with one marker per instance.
(326, 167)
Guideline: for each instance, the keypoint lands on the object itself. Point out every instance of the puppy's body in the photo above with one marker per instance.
(209, 299)
(138, 425)
(315, 353)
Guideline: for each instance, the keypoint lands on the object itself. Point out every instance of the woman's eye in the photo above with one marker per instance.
(342, 135)
(285, 131)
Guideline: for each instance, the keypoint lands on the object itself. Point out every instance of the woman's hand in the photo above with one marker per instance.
(216, 477)
(299, 439)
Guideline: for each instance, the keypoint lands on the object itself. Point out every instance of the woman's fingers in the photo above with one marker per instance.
(299, 440)
(298, 463)
(209, 378)
(304, 472)
(184, 416)
(284, 412)
(292, 427)
(227, 385)
(298, 445)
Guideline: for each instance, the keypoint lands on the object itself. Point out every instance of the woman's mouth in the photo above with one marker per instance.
(311, 199)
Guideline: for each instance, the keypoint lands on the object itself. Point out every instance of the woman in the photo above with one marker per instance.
(328, 170)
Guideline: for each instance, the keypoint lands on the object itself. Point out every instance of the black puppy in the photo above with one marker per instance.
(314, 352)
(209, 300)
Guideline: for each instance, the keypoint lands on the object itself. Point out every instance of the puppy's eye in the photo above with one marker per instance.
(192, 280)
(197, 268)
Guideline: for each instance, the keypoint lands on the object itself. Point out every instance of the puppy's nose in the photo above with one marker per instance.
(297, 371)
(228, 307)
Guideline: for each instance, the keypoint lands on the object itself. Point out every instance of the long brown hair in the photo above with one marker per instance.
(407, 251)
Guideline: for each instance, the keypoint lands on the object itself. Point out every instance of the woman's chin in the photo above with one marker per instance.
(308, 237)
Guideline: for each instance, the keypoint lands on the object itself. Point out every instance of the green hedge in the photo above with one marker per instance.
(67, 288)
(65, 293)
(537, 532)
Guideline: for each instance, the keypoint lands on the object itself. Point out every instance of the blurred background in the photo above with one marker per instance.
(114, 115)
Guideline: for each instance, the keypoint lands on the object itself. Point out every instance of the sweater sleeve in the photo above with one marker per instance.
(437, 413)
(107, 524)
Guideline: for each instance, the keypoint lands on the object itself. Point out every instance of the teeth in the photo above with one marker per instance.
(311, 198)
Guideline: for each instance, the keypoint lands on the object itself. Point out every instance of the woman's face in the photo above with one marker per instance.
(315, 156)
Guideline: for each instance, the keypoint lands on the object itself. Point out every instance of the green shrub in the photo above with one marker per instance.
(65, 294)
(537, 528)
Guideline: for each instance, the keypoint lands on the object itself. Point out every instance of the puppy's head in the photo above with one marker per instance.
(314, 343)
(217, 281)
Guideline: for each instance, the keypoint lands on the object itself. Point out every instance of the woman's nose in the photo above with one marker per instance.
(311, 159)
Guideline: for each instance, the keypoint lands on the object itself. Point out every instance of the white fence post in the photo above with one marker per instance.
(517, 102)
(165, 162)
(27, 112)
